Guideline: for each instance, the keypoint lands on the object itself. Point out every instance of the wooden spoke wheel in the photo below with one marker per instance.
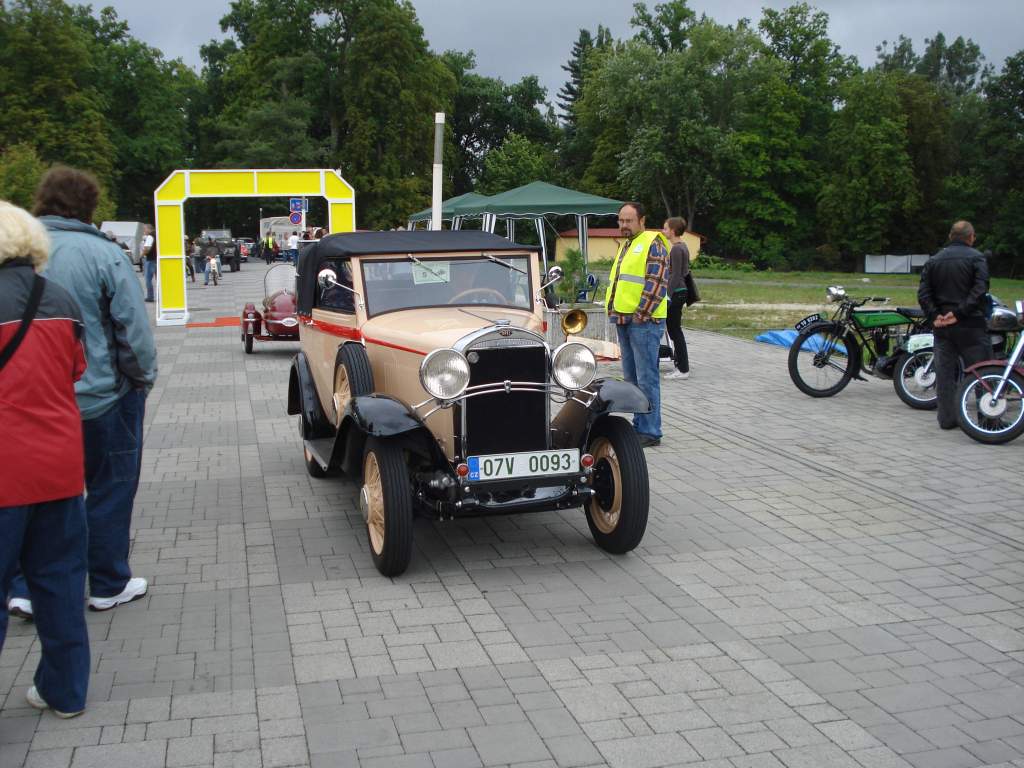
(386, 499)
(617, 514)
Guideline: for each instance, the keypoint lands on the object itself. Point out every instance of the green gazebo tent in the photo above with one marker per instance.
(451, 210)
(537, 200)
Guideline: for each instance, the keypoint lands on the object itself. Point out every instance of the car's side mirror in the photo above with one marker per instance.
(554, 275)
(325, 278)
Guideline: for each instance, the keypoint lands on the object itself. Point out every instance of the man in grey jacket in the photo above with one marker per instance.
(121, 355)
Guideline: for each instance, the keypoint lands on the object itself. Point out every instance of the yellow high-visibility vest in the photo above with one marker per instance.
(629, 273)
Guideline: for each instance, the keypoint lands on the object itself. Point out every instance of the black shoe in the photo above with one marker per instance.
(648, 441)
(150, 300)
(948, 426)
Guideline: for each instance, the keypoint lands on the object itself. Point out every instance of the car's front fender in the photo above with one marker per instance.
(570, 428)
(381, 416)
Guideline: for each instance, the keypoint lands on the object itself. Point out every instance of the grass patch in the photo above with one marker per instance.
(724, 294)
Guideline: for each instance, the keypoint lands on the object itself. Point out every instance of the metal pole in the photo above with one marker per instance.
(435, 212)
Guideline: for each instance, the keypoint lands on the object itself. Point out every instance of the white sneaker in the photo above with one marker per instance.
(677, 374)
(37, 701)
(20, 607)
(133, 590)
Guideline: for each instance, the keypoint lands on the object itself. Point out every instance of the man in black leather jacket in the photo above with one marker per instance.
(952, 294)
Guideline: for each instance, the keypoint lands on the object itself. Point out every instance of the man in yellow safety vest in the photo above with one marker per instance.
(636, 305)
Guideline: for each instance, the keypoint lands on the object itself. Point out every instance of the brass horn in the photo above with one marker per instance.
(574, 321)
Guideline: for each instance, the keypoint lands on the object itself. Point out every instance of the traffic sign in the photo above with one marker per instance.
(295, 218)
(295, 206)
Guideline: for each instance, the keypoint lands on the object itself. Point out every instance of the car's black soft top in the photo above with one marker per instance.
(349, 244)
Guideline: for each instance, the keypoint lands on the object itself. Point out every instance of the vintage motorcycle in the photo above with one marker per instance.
(990, 399)
(828, 353)
(914, 377)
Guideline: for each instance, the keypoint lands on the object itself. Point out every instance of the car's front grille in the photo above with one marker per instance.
(507, 422)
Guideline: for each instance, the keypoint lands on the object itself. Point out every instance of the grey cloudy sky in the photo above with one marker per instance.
(512, 39)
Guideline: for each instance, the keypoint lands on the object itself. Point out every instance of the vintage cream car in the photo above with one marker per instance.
(424, 375)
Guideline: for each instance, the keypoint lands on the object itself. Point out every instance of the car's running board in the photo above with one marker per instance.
(321, 449)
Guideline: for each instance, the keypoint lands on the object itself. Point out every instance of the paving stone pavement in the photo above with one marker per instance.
(823, 583)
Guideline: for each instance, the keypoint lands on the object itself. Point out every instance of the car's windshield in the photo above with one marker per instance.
(426, 281)
(217, 234)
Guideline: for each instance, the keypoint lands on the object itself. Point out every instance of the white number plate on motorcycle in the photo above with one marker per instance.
(920, 341)
(807, 321)
(502, 466)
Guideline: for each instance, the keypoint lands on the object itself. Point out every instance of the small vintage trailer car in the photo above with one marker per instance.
(275, 319)
(424, 375)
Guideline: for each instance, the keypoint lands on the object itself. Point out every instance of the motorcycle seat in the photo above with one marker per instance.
(910, 311)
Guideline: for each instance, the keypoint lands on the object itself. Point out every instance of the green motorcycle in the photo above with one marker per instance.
(828, 353)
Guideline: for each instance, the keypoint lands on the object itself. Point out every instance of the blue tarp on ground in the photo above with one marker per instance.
(785, 338)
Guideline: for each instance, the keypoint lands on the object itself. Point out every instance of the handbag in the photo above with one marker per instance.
(26, 320)
(692, 294)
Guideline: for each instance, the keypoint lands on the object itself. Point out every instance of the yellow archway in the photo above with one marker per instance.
(169, 205)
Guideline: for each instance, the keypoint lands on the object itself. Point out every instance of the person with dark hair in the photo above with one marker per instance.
(953, 285)
(678, 269)
(111, 395)
(42, 518)
(149, 252)
(636, 305)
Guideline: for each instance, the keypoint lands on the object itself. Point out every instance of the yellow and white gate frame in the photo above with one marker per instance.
(169, 205)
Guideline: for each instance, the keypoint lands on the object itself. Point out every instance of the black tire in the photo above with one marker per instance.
(997, 430)
(387, 499)
(825, 337)
(911, 384)
(215, 278)
(617, 515)
(248, 343)
(312, 465)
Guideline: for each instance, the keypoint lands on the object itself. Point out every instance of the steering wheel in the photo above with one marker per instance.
(490, 291)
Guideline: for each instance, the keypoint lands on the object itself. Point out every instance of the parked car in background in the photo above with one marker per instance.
(227, 249)
(424, 375)
(245, 245)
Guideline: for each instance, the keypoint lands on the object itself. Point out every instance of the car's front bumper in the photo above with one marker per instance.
(507, 497)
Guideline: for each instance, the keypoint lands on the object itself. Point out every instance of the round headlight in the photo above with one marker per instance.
(573, 365)
(444, 373)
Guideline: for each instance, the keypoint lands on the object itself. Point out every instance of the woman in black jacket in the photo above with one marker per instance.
(679, 268)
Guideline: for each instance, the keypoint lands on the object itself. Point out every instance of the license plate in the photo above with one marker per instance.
(920, 341)
(503, 466)
(807, 321)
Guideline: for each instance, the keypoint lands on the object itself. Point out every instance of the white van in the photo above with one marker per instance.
(130, 234)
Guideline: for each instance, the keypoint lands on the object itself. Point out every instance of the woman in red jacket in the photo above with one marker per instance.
(42, 467)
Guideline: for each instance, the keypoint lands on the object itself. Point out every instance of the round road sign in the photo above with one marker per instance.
(295, 218)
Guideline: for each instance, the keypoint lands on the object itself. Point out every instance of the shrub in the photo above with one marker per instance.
(575, 276)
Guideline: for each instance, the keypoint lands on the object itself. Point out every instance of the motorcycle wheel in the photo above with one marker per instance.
(914, 385)
(985, 421)
(248, 343)
(216, 277)
(819, 361)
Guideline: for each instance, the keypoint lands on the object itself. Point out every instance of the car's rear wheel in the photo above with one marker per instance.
(386, 499)
(617, 513)
(352, 377)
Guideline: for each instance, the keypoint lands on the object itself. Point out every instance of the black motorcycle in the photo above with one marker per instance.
(828, 353)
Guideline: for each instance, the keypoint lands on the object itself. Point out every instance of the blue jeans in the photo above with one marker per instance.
(150, 274)
(639, 343)
(113, 458)
(49, 539)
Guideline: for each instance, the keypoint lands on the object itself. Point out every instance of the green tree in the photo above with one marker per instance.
(958, 65)
(1003, 137)
(20, 172)
(47, 87)
(667, 28)
(870, 183)
(148, 100)
(485, 112)
(516, 162)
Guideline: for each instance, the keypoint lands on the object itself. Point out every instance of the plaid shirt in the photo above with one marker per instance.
(655, 287)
